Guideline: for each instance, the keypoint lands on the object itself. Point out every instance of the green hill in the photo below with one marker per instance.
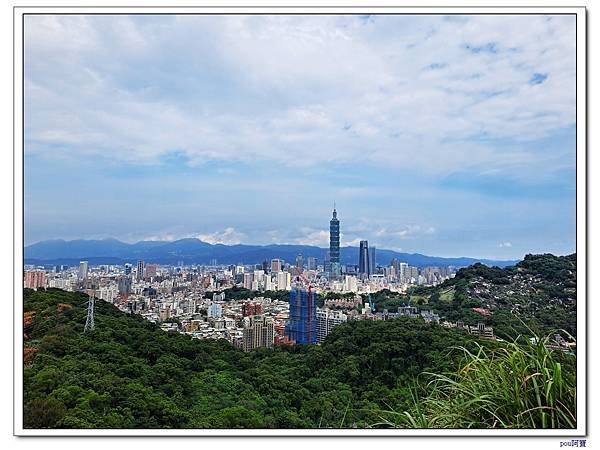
(538, 294)
(127, 373)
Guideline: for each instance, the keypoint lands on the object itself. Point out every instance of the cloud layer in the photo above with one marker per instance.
(443, 102)
(299, 90)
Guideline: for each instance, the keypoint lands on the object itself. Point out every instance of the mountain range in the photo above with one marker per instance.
(195, 251)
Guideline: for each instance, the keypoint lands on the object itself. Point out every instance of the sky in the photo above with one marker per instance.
(442, 135)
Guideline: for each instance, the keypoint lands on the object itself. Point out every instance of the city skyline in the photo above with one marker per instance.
(438, 135)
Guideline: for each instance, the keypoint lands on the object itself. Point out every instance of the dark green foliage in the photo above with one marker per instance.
(538, 294)
(127, 373)
(513, 386)
(240, 293)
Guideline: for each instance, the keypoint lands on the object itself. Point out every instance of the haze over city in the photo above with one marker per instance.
(449, 136)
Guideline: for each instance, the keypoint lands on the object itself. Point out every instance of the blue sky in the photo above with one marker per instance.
(450, 136)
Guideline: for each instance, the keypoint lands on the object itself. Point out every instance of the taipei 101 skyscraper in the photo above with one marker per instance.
(334, 246)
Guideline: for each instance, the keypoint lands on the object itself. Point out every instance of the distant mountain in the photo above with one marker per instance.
(195, 251)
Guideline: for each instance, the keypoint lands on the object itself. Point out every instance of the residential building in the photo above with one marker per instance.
(350, 283)
(326, 321)
(299, 263)
(124, 285)
(215, 310)
(248, 279)
(258, 332)
(276, 265)
(268, 282)
(151, 270)
(140, 270)
(283, 280)
(35, 279)
(402, 272)
(219, 297)
(83, 270)
(252, 309)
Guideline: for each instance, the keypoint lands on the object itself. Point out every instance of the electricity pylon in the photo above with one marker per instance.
(89, 323)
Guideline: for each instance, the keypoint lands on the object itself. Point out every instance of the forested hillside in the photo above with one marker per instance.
(128, 373)
(538, 294)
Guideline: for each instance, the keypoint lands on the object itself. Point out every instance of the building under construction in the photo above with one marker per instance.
(302, 325)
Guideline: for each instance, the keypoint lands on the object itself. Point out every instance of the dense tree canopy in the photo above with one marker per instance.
(538, 295)
(128, 373)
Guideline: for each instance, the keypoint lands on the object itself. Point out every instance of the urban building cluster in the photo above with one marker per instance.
(193, 299)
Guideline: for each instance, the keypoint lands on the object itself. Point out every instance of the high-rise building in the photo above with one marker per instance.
(127, 269)
(215, 310)
(283, 280)
(350, 283)
(334, 246)
(124, 285)
(299, 263)
(276, 265)
(83, 270)
(364, 263)
(373, 260)
(140, 270)
(164, 313)
(258, 280)
(395, 268)
(403, 274)
(268, 282)
(248, 279)
(151, 270)
(252, 309)
(258, 331)
(326, 320)
(312, 263)
(302, 325)
(59, 283)
(414, 272)
(108, 294)
(35, 279)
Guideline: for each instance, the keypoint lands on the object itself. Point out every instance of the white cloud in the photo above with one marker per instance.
(228, 236)
(308, 236)
(505, 245)
(158, 237)
(299, 91)
(352, 243)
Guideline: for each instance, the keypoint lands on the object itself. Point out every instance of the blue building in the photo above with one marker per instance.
(302, 324)
(334, 247)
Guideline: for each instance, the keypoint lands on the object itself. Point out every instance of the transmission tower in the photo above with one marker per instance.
(89, 323)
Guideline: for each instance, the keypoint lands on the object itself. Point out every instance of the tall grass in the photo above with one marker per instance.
(513, 386)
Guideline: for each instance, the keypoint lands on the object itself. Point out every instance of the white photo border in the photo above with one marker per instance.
(581, 211)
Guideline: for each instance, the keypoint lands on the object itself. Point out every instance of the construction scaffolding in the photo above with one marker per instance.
(302, 325)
